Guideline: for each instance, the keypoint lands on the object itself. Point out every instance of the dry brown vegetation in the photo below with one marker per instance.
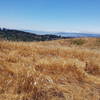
(53, 70)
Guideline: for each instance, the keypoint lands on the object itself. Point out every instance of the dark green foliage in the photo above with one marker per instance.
(16, 35)
(78, 42)
(97, 42)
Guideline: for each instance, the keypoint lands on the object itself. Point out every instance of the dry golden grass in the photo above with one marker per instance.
(53, 70)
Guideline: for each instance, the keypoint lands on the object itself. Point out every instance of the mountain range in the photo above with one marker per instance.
(65, 34)
(18, 35)
(28, 35)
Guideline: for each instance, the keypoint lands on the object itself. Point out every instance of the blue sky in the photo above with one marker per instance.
(51, 15)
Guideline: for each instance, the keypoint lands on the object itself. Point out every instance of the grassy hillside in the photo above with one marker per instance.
(55, 70)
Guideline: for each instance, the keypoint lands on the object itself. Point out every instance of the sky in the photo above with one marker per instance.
(51, 15)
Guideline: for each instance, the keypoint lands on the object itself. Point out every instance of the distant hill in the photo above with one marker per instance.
(65, 34)
(17, 35)
(77, 35)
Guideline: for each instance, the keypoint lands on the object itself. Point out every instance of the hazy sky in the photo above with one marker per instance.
(51, 15)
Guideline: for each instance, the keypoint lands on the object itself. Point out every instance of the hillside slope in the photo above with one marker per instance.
(53, 70)
(17, 35)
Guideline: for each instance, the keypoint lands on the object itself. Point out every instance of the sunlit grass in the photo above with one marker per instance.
(53, 70)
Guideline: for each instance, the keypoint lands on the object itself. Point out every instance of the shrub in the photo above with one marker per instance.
(78, 42)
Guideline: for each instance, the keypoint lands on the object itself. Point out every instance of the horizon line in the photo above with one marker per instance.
(39, 30)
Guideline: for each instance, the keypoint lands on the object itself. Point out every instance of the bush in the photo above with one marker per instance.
(78, 42)
(97, 42)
